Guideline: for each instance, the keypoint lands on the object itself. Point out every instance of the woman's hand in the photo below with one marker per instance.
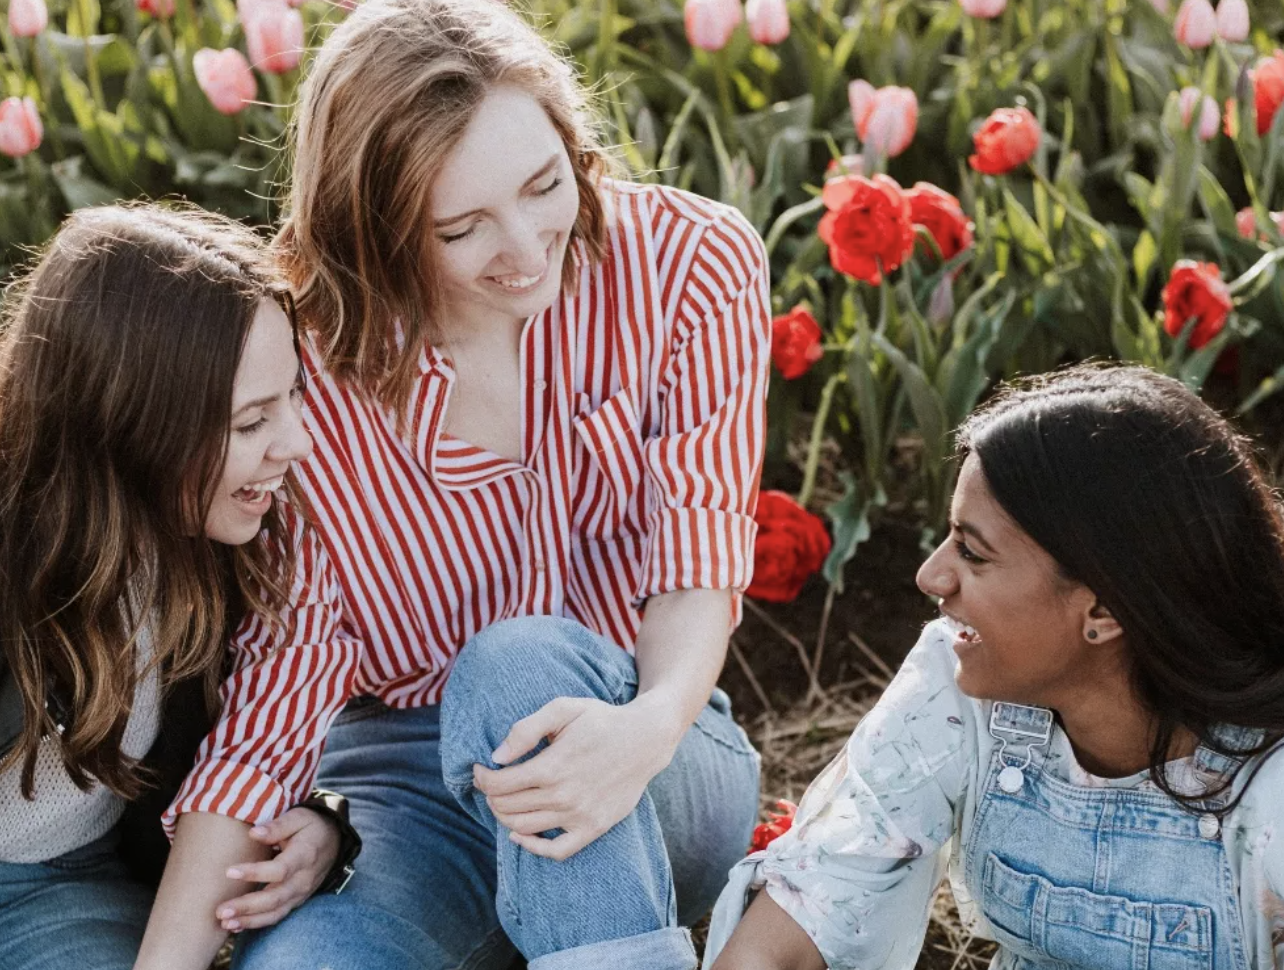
(308, 845)
(598, 762)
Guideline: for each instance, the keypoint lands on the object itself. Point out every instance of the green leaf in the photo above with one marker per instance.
(851, 516)
(1027, 235)
(925, 403)
(78, 189)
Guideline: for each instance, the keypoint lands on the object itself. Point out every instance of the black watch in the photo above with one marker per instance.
(334, 806)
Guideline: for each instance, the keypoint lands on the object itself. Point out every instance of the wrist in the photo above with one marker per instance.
(335, 808)
(662, 724)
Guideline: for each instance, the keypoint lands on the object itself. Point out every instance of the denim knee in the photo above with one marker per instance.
(509, 671)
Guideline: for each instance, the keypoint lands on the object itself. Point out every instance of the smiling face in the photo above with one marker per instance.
(266, 432)
(503, 208)
(1027, 641)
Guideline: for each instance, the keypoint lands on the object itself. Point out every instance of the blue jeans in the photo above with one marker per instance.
(435, 887)
(78, 910)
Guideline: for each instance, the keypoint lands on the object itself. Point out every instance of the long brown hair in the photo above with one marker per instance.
(117, 362)
(388, 96)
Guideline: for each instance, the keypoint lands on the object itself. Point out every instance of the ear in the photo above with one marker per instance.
(1100, 625)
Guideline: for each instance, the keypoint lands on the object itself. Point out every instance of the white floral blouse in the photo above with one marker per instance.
(882, 825)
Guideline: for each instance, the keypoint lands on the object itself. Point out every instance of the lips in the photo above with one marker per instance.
(255, 492)
(961, 630)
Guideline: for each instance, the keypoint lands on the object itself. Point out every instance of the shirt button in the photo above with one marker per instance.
(539, 565)
(1209, 827)
(541, 385)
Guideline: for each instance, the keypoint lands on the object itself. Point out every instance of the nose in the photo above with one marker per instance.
(526, 248)
(294, 443)
(937, 576)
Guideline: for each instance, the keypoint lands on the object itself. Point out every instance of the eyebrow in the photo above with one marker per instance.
(543, 170)
(970, 530)
(258, 402)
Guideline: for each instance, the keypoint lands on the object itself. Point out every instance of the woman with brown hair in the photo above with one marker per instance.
(149, 413)
(537, 395)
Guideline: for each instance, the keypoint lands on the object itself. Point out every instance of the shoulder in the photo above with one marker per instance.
(698, 244)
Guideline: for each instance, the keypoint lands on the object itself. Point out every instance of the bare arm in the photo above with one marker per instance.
(183, 933)
(769, 939)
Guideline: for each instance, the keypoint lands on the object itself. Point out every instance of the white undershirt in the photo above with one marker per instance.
(61, 817)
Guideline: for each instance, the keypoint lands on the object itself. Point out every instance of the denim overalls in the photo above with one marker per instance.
(1106, 878)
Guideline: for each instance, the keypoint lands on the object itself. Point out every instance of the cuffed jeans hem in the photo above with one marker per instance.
(667, 949)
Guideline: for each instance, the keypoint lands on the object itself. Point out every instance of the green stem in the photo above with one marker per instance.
(607, 11)
(818, 437)
(91, 65)
(724, 89)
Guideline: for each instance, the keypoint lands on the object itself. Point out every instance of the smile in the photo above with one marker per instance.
(961, 630)
(522, 284)
(255, 492)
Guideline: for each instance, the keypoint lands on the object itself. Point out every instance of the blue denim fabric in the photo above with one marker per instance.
(79, 910)
(435, 888)
(1107, 878)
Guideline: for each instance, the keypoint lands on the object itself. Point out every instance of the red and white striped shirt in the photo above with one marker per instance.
(642, 428)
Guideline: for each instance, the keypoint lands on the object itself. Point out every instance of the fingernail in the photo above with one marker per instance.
(235, 874)
(513, 837)
(226, 913)
(258, 831)
(500, 755)
(234, 925)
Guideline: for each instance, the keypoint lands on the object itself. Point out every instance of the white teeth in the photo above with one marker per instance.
(520, 283)
(961, 628)
(256, 491)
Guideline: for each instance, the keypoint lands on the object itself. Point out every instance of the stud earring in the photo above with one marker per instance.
(1092, 634)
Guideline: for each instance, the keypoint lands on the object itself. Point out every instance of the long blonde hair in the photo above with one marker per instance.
(388, 96)
(118, 356)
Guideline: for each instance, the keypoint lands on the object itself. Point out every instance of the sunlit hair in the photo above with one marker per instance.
(118, 356)
(388, 96)
(1145, 495)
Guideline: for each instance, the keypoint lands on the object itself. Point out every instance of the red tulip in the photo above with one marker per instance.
(791, 545)
(868, 227)
(27, 17)
(710, 23)
(777, 824)
(768, 20)
(795, 343)
(1196, 24)
(20, 129)
(225, 77)
(160, 9)
(1008, 138)
(1196, 290)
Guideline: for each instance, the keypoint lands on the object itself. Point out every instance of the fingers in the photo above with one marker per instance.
(530, 731)
(532, 823)
(284, 826)
(273, 870)
(558, 849)
(526, 800)
(532, 774)
(262, 908)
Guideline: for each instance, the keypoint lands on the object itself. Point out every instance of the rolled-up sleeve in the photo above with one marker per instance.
(290, 678)
(870, 841)
(704, 465)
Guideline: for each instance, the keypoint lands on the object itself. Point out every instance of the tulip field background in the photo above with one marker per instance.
(1128, 210)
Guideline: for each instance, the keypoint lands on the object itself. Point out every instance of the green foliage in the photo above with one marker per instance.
(1071, 255)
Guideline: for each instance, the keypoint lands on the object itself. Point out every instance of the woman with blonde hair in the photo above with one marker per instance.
(149, 409)
(537, 398)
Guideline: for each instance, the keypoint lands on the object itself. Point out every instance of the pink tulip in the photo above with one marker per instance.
(1196, 24)
(27, 17)
(860, 96)
(20, 129)
(890, 125)
(225, 77)
(1232, 20)
(768, 20)
(710, 23)
(1210, 115)
(985, 9)
(160, 9)
(274, 37)
(1161, 7)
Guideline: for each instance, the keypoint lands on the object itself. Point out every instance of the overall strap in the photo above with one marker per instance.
(1022, 733)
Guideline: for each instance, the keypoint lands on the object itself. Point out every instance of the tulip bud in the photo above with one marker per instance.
(1209, 116)
(860, 96)
(225, 77)
(160, 9)
(27, 17)
(273, 36)
(985, 9)
(768, 20)
(1196, 24)
(710, 23)
(1232, 20)
(890, 125)
(20, 129)
(1161, 7)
